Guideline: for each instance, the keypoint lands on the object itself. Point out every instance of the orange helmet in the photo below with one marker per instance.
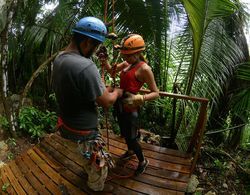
(132, 44)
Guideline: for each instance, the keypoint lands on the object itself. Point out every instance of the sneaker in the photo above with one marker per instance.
(127, 155)
(141, 168)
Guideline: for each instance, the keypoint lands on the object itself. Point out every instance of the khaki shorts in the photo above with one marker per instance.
(96, 176)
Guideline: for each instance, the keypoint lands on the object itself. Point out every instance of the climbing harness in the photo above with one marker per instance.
(94, 149)
(60, 124)
(96, 152)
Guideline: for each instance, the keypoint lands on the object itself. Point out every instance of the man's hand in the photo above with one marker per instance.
(132, 100)
(102, 53)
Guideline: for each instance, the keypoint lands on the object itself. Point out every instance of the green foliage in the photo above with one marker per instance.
(222, 166)
(5, 186)
(35, 122)
(155, 116)
(11, 142)
(200, 15)
(10, 156)
(245, 142)
(4, 122)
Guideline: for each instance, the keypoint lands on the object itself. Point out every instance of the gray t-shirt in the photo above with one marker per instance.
(77, 83)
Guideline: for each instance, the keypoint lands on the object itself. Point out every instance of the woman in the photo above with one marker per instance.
(134, 73)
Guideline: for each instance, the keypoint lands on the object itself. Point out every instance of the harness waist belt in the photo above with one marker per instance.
(60, 123)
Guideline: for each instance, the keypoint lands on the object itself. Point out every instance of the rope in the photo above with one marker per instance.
(106, 121)
(117, 176)
(105, 11)
(103, 74)
(113, 15)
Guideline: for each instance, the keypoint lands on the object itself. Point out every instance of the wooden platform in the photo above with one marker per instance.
(54, 167)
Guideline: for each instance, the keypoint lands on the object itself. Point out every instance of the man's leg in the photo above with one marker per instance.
(96, 176)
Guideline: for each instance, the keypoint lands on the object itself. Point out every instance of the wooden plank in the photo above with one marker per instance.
(53, 174)
(62, 155)
(151, 147)
(63, 147)
(176, 175)
(55, 167)
(14, 182)
(169, 166)
(163, 183)
(168, 158)
(151, 177)
(28, 174)
(1, 184)
(115, 139)
(20, 177)
(164, 156)
(156, 155)
(120, 190)
(6, 182)
(174, 167)
(158, 163)
(158, 172)
(145, 188)
(171, 185)
(166, 174)
(147, 177)
(41, 175)
(80, 182)
(50, 161)
(73, 172)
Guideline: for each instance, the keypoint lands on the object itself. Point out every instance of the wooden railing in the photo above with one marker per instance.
(196, 139)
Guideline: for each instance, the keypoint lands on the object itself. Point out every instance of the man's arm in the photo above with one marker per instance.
(109, 97)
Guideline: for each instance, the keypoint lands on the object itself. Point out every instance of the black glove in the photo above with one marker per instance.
(102, 53)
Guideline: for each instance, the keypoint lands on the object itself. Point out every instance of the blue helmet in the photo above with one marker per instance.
(91, 27)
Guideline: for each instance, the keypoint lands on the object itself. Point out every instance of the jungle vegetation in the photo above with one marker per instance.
(194, 49)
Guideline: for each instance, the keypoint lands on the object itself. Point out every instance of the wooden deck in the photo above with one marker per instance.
(54, 167)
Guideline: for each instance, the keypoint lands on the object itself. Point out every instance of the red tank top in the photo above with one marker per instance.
(130, 83)
(128, 80)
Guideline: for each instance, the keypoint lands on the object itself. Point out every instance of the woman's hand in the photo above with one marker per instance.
(132, 100)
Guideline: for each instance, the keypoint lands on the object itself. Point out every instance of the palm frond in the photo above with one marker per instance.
(200, 14)
(243, 71)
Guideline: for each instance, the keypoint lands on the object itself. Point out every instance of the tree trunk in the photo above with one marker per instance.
(4, 68)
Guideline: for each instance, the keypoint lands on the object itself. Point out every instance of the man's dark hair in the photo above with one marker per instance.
(78, 38)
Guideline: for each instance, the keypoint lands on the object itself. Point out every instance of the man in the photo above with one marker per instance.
(79, 90)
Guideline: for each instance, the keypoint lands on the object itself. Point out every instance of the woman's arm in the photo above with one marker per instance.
(109, 68)
(146, 75)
